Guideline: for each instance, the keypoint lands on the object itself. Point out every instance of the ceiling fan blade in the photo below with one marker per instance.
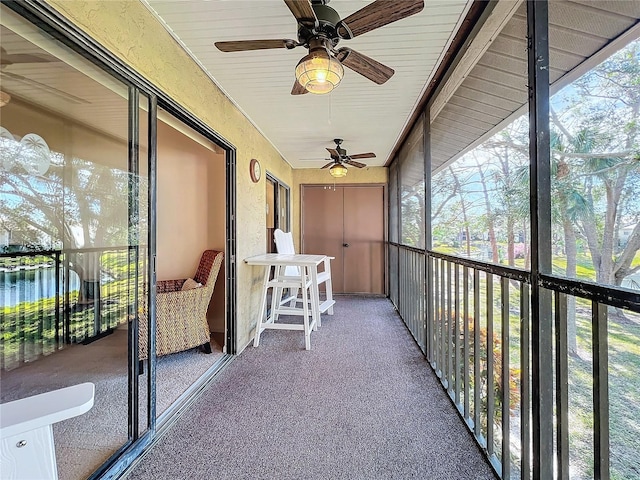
(8, 59)
(8, 77)
(363, 155)
(377, 14)
(333, 152)
(298, 89)
(328, 164)
(24, 58)
(354, 163)
(244, 45)
(303, 11)
(365, 66)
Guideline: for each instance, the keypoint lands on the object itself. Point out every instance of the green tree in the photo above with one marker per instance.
(601, 139)
(75, 204)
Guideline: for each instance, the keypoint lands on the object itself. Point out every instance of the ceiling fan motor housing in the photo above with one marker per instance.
(328, 18)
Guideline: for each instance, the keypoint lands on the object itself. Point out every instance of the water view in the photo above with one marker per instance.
(29, 285)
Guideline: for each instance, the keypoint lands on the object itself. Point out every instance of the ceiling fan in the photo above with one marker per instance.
(7, 59)
(339, 158)
(320, 29)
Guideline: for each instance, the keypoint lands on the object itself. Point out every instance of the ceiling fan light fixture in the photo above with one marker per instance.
(338, 170)
(319, 72)
(4, 98)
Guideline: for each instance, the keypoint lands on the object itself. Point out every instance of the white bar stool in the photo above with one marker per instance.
(284, 244)
(281, 281)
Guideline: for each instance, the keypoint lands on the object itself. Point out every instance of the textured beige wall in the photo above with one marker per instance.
(127, 28)
(314, 176)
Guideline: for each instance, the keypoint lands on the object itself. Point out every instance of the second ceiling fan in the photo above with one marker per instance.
(339, 159)
(320, 29)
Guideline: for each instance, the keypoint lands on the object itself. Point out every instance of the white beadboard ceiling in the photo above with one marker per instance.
(369, 117)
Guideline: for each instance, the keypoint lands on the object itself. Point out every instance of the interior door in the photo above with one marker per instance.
(322, 233)
(347, 222)
(363, 239)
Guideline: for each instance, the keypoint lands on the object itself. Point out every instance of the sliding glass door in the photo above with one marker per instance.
(74, 276)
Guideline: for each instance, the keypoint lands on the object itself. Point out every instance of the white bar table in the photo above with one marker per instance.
(308, 267)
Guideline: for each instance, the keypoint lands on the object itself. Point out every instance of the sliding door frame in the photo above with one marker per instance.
(53, 23)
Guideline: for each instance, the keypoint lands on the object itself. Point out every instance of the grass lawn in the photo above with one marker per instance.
(624, 397)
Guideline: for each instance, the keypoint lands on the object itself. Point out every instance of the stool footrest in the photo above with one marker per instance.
(287, 283)
(286, 326)
(326, 305)
(323, 277)
(287, 299)
(288, 311)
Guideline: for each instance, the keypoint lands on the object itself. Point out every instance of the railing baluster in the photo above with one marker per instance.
(525, 388)
(420, 300)
(38, 343)
(403, 288)
(506, 380)
(456, 327)
(436, 315)
(57, 314)
(3, 322)
(21, 315)
(400, 283)
(449, 331)
(410, 312)
(443, 312)
(67, 301)
(600, 357)
(408, 288)
(416, 296)
(423, 302)
(413, 292)
(490, 375)
(405, 285)
(476, 353)
(465, 320)
(562, 386)
(430, 315)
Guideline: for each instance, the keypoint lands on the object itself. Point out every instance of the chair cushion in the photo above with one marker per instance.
(190, 283)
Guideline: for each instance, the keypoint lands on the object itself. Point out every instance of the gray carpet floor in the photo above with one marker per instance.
(363, 403)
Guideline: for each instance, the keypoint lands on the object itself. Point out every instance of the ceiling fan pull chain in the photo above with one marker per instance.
(329, 107)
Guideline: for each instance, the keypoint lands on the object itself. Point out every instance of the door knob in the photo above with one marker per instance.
(345, 244)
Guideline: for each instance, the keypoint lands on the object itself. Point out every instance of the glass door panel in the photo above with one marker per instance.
(191, 202)
(66, 263)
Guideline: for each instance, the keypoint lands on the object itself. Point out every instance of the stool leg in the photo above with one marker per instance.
(294, 296)
(294, 291)
(315, 298)
(305, 310)
(275, 303)
(263, 308)
(328, 285)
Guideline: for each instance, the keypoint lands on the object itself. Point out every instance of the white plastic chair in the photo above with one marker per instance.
(26, 434)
